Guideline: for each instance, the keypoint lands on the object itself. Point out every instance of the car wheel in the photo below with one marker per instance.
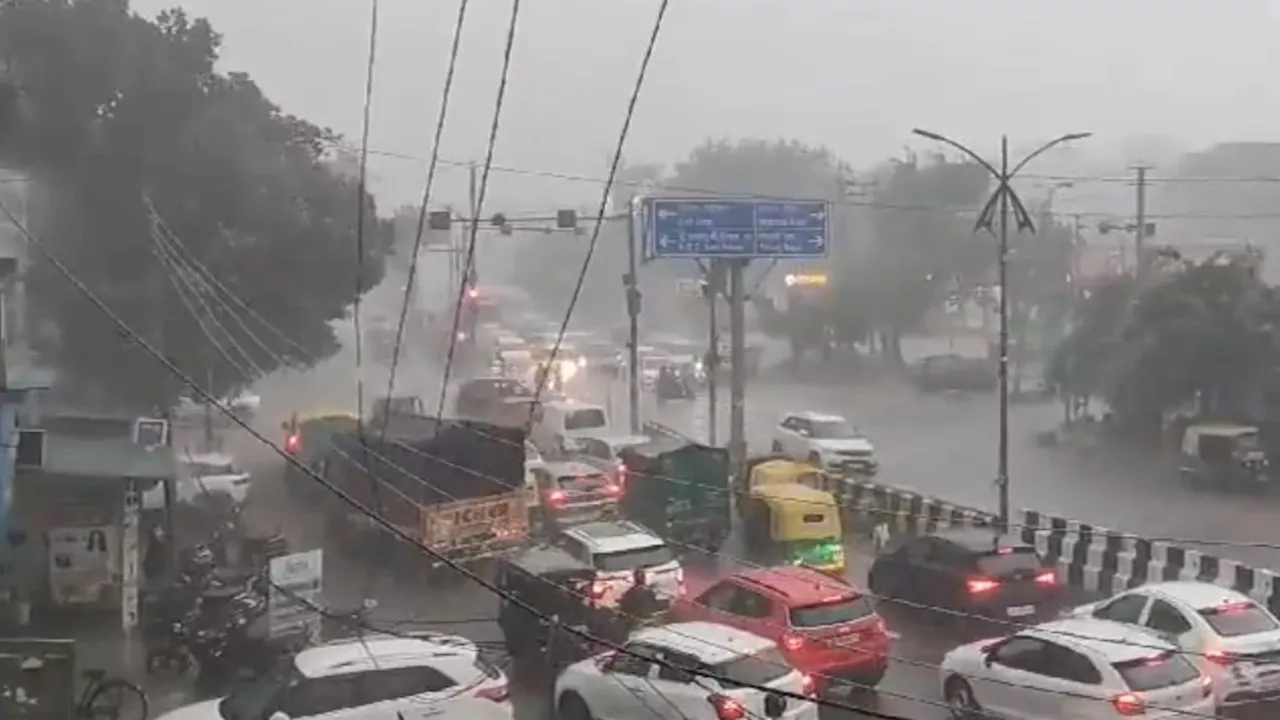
(572, 707)
(777, 448)
(960, 699)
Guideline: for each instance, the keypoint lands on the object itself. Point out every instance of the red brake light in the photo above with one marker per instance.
(498, 693)
(792, 642)
(979, 586)
(292, 443)
(1129, 704)
(612, 490)
(1048, 577)
(598, 590)
(555, 497)
(727, 708)
(808, 685)
(1219, 657)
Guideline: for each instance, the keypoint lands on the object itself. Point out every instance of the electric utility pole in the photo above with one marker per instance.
(712, 290)
(631, 281)
(1140, 218)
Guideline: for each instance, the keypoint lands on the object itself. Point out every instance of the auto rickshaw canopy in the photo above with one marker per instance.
(1246, 435)
(770, 473)
(798, 512)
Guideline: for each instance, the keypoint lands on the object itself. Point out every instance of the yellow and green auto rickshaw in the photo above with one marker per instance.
(770, 471)
(793, 524)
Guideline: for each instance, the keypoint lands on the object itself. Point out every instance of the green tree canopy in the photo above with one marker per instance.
(117, 108)
(1206, 332)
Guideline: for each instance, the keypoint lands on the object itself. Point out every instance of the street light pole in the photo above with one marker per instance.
(1002, 201)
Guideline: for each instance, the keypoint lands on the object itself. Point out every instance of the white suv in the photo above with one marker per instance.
(826, 441)
(378, 676)
(1233, 639)
(1076, 669)
(616, 550)
(632, 686)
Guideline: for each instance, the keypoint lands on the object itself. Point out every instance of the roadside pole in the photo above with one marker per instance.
(713, 289)
(632, 283)
(738, 365)
(208, 413)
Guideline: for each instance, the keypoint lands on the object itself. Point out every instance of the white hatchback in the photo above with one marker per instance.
(645, 683)
(1231, 637)
(380, 676)
(1075, 669)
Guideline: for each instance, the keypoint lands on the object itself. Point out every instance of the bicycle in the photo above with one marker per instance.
(106, 698)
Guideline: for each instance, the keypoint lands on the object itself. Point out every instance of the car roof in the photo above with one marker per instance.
(979, 540)
(546, 559)
(1198, 595)
(613, 536)
(570, 467)
(711, 643)
(1117, 642)
(815, 416)
(798, 585)
(448, 652)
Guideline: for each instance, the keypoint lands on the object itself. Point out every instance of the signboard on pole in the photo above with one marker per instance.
(743, 229)
(295, 597)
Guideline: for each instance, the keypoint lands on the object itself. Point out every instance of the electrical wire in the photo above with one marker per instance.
(210, 279)
(173, 275)
(469, 263)
(171, 261)
(426, 200)
(605, 193)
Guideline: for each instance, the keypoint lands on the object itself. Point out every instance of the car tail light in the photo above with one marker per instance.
(792, 642)
(727, 708)
(1219, 657)
(979, 586)
(556, 498)
(612, 490)
(1047, 577)
(1206, 686)
(292, 443)
(598, 591)
(497, 693)
(1129, 704)
(808, 685)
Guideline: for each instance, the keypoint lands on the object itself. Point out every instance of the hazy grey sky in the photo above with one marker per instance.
(855, 75)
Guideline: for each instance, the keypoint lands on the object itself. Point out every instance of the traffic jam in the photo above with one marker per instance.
(641, 576)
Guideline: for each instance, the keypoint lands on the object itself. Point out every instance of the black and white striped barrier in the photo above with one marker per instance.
(886, 511)
(1105, 561)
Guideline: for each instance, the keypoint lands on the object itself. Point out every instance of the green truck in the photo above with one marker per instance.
(678, 487)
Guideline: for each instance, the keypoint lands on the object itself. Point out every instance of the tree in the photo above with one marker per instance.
(923, 244)
(118, 108)
(1206, 333)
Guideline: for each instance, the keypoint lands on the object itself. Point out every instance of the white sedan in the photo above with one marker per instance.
(1075, 669)
(826, 441)
(1231, 637)
(640, 685)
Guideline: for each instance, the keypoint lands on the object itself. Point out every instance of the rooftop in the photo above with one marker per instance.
(106, 458)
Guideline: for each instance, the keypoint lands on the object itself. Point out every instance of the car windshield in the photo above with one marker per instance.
(1156, 672)
(832, 430)
(1236, 619)
(1008, 561)
(255, 699)
(759, 668)
(835, 612)
(632, 559)
(584, 419)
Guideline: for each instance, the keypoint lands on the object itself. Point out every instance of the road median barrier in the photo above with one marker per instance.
(884, 512)
(1097, 559)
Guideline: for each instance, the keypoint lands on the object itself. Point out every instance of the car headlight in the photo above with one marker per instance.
(582, 361)
(698, 366)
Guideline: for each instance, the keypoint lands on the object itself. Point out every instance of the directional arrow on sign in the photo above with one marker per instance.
(820, 215)
(666, 241)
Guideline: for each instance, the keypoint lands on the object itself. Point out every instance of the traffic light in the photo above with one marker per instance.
(440, 220)
(567, 219)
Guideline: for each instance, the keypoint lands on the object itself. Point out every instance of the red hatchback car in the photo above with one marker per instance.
(825, 626)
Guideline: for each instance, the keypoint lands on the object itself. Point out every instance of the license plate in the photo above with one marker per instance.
(848, 640)
(1020, 610)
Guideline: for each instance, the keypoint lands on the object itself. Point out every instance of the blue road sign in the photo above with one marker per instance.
(738, 228)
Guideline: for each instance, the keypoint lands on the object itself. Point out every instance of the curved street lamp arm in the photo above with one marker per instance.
(1043, 148)
(972, 155)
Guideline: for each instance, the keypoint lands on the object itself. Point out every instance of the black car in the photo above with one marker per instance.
(555, 584)
(937, 373)
(969, 572)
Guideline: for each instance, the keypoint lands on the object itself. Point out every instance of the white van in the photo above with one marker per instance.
(565, 420)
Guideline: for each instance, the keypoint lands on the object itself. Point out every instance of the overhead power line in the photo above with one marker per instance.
(420, 230)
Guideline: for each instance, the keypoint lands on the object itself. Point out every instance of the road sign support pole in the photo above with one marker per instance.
(632, 283)
(714, 291)
(738, 365)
